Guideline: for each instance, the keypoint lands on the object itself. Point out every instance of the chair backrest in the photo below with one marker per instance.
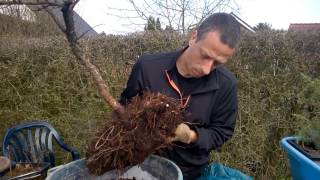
(32, 142)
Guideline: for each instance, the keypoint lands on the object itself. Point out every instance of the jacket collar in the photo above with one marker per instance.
(211, 80)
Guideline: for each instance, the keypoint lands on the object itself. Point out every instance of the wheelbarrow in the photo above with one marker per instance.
(153, 168)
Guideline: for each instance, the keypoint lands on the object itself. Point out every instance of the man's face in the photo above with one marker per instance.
(204, 55)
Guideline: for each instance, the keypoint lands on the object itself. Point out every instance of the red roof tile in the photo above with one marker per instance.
(305, 27)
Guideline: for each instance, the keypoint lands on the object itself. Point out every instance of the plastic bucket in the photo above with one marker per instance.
(153, 168)
(302, 168)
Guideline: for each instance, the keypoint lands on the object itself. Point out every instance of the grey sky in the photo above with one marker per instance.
(278, 13)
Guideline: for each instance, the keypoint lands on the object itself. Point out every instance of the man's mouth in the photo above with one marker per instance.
(198, 74)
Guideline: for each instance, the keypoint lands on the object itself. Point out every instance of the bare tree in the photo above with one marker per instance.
(180, 15)
(69, 30)
(125, 140)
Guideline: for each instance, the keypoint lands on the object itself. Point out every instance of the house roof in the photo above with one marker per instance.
(82, 28)
(304, 26)
(243, 24)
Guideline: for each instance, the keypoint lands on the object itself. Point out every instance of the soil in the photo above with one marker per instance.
(129, 138)
(21, 169)
(309, 148)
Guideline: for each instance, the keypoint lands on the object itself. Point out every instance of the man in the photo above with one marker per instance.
(207, 90)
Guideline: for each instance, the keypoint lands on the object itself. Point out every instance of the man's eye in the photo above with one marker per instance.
(206, 57)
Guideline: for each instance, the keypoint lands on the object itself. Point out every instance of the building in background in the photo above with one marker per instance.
(304, 27)
(28, 16)
(244, 26)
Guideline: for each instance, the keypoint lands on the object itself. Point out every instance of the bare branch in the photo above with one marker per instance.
(122, 16)
(91, 28)
(67, 11)
(140, 13)
(69, 30)
(179, 14)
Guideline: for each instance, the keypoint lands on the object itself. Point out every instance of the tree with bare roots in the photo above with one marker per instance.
(125, 139)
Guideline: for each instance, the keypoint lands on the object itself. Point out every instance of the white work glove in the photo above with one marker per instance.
(183, 134)
(4, 163)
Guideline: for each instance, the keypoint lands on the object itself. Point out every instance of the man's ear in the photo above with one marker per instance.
(193, 37)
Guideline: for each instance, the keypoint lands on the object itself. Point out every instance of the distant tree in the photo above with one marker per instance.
(152, 24)
(169, 28)
(102, 34)
(180, 15)
(158, 24)
(263, 27)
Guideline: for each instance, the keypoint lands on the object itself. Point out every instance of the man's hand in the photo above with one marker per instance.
(4, 163)
(184, 134)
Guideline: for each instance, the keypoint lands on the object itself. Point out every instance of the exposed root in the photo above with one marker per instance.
(146, 126)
